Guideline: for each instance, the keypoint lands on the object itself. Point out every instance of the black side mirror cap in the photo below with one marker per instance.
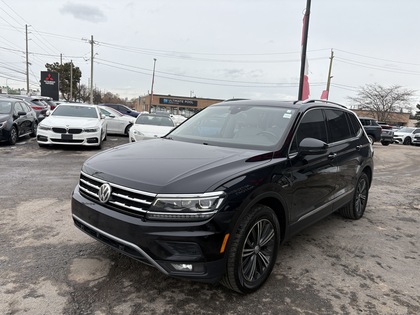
(312, 146)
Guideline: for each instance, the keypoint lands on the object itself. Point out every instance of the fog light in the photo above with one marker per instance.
(182, 267)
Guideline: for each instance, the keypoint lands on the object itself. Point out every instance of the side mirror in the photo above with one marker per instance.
(48, 113)
(312, 146)
(103, 116)
(21, 113)
(111, 116)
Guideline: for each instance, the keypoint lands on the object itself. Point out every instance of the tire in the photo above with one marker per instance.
(13, 136)
(371, 139)
(356, 208)
(385, 143)
(127, 130)
(407, 141)
(253, 251)
(34, 129)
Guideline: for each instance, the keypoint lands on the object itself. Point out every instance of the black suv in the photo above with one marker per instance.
(213, 199)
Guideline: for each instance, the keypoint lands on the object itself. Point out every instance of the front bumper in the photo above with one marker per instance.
(189, 250)
(85, 138)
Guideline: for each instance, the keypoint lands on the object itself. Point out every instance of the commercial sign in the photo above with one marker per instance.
(177, 101)
(50, 84)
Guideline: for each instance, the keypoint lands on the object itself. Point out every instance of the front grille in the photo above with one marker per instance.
(70, 131)
(123, 199)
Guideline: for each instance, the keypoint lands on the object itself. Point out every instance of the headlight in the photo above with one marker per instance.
(185, 207)
(95, 129)
(43, 127)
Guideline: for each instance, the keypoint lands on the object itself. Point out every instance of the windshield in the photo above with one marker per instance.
(5, 107)
(75, 111)
(154, 120)
(253, 127)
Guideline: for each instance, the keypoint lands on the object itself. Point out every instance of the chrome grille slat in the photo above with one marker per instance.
(132, 199)
(129, 207)
(89, 192)
(90, 184)
(124, 199)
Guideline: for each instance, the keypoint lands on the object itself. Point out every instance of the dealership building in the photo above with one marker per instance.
(177, 105)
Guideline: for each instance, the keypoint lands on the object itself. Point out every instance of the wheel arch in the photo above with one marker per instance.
(269, 199)
(369, 172)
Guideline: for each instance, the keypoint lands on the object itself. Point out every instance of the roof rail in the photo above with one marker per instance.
(321, 101)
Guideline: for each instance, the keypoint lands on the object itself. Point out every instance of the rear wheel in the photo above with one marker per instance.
(13, 136)
(253, 252)
(385, 143)
(356, 208)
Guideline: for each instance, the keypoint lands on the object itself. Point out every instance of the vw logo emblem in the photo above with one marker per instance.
(104, 193)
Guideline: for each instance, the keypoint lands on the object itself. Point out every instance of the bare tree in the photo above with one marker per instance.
(383, 101)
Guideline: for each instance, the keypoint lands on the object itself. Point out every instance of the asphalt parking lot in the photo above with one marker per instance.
(338, 266)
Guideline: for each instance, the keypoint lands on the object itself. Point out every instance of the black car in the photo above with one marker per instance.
(213, 199)
(17, 119)
(37, 103)
(122, 109)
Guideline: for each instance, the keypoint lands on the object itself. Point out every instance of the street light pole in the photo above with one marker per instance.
(153, 82)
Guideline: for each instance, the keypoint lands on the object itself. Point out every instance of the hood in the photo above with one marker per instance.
(168, 166)
(74, 122)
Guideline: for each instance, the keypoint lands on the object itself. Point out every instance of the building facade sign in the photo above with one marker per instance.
(177, 102)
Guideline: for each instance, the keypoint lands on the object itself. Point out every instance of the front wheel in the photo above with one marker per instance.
(385, 143)
(356, 208)
(253, 252)
(407, 141)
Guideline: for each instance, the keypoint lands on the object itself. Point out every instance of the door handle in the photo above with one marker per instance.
(332, 156)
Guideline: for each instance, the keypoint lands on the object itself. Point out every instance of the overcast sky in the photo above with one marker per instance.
(215, 48)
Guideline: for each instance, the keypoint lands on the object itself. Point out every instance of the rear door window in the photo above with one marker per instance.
(338, 126)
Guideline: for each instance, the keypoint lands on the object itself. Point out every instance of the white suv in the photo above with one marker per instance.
(405, 135)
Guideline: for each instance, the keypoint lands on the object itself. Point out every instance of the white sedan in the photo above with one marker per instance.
(73, 124)
(149, 126)
(117, 123)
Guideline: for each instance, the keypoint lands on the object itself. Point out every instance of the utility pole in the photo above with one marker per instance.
(329, 74)
(71, 80)
(91, 69)
(27, 60)
(153, 82)
(304, 46)
(61, 59)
